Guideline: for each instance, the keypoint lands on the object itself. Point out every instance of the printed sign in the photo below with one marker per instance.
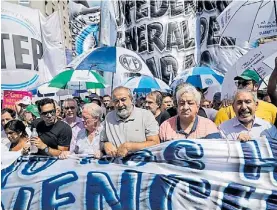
(12, 96)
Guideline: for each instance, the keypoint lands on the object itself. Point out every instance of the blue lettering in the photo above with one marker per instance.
(271, 201)
(5, 173)
(24, 198)
(160, 192)
(253, 161)
(235, 194)
(99, 185)
(51, 199)
(30, 167)
(193, 152)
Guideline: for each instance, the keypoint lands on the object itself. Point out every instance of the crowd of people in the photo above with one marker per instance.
(121, 124)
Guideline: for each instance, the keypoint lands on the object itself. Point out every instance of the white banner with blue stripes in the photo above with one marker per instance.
(181, 174)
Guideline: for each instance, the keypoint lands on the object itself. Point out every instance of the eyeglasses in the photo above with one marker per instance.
(69, 107)
(85, 120)
(51, 112)
(243, 83)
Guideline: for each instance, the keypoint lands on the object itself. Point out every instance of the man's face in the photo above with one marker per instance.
(106, 101)
(122, 103)
(70, 109)
(187, 107)
(90, 122)
(246, 84)
(150, 104)
(5, 118)
(167, 103)
(206, 104)
(245, 107)
(28, 117)
(48, 114)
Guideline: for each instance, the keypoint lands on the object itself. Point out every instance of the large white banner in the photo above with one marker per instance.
(180, 174)
(32, 49)
(21, 47)
(172, 36)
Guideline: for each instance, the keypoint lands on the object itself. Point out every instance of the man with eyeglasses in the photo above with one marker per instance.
(54, 135)
(70, 108)
(128, 128)
(249, 80)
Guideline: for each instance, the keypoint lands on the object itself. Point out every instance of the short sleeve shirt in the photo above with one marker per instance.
(202, 128)
(139, 125)
(59, 134)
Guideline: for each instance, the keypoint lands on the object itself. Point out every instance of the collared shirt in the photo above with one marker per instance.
(202, 128)
(139, 125)
(76, 127)
(85, 146)
(231, 129)
(265, 111)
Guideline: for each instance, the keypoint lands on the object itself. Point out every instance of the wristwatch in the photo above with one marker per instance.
(46, 150)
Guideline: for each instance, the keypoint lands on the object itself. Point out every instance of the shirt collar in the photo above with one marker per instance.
(181, 131)
(257, 121)
(130, 118)
(77, 121)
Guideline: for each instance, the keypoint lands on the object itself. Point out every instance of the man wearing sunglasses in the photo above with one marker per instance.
(248, 80)
(54, 135)
(70, 108)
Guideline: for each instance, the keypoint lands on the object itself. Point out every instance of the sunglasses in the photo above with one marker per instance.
(51, 112)
(243, 83)
(69, 107)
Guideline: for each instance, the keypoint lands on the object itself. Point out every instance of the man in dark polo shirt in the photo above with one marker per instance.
(54, 136)
(153, 103)
(128, 128)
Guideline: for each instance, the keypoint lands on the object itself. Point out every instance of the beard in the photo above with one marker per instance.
(124, 112)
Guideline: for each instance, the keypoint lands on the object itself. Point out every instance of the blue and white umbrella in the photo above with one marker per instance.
(146, 84)
(201, 77)
(111, 59)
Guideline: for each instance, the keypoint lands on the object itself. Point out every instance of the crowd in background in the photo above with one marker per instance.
(122, 123)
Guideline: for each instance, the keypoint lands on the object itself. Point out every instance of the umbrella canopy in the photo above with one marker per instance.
(78, 80)
(145, 84)
(248, 20)
(111, 59)
(260, 59)
(201, 77)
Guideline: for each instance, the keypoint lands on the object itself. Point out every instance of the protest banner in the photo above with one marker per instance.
(172, 36)
(25, 59)
(180, 174)
(84, 26)
(12, 96)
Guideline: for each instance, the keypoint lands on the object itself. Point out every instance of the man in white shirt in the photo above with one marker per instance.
(246, 125)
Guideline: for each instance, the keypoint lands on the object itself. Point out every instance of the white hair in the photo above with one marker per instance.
(188, 88)
(253, 94)
(94, 110)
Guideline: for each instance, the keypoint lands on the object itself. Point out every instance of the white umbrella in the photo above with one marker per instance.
(248, 20)
(255, 59)
(45, 89)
